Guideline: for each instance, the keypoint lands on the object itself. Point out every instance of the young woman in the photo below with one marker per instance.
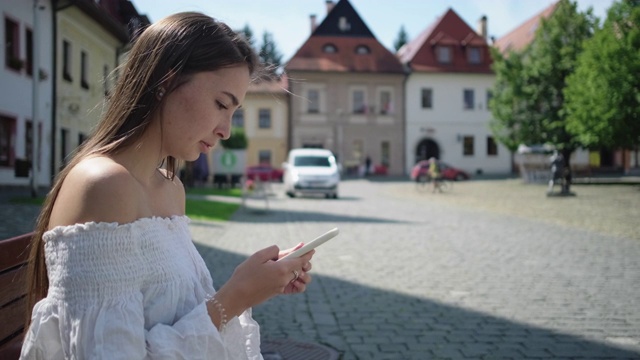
(114, 273)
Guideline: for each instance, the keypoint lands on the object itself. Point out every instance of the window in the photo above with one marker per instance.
(7, 126)
(64, 147)
(81, 138)
(474, 55)
(468, 99)
(467, 144)
(492, 147)
(105, 81)
(28, 140)
(29, 61)
(427, 98)
(489, 97)
(357, 150)
(385, 150)
(358, 104)
(313, 95)
(264, 157)
(329, 49)
(12, 45)
(362, 50)
(264, 118)
(237, 120)
(443, 54)
(84, 69)
(386, 103)
(66, 60)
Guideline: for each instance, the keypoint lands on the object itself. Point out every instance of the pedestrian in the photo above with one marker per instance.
(113, 270)
(557, 170)
(367, 164)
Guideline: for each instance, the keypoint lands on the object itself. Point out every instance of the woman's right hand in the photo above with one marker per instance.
(260, 278)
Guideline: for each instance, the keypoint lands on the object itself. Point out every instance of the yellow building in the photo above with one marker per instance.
(263, 116)
(90, 41)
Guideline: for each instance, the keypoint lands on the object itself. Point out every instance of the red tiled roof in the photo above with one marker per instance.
(522, 35)
(311, 57)
(279, 85)
(449, 30)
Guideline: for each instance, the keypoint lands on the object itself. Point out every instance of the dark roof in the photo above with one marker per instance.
(343, 20)
(346, 32)
(518, 38)
(447, 30)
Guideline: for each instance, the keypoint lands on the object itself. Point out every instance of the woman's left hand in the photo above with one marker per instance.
(300, 283)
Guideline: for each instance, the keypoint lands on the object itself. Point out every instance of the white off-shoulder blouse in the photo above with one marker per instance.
(131, 291)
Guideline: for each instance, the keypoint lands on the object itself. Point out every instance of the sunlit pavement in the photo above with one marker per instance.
(449, 276)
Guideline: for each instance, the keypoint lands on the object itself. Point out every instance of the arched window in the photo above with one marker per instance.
(363, 50)
(329, 49)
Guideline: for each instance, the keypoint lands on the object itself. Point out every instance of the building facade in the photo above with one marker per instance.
(347, 94)
(447, 94)
(26, 32)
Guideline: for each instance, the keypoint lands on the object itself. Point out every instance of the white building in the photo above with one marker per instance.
(19, 31)
(446, 97)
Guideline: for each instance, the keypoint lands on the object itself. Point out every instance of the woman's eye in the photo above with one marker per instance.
(221, 105)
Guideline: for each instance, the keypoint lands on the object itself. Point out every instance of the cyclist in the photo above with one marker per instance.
(434, 174)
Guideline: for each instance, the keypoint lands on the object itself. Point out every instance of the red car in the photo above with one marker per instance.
(421, 168)
(264, 173)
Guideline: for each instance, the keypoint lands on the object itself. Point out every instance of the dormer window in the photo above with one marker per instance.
(443, 54)
(474, 55)
(343, 24)
(329, 49)
(363, 50)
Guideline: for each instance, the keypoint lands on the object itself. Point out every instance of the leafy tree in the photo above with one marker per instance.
(237, 139)
(269, 54)
(603, 95)
(402, 39)
(534, 111)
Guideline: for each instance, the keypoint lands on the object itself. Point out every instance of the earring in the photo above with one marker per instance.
(160, 93)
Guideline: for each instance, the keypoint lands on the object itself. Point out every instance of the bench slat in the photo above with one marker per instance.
(11, 350)
(12, 318)
(13, 285)
(14, 251)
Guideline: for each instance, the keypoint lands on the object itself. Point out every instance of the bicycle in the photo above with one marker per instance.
(424, 183)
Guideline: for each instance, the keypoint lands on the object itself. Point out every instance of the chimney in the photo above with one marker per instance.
(330, 5)
(482, 27)
(314, 25)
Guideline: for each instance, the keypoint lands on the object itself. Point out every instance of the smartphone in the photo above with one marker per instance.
(313, 244)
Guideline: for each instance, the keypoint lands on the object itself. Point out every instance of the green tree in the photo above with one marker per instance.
(248, 35)
(537, 100)
(237, 140)
(270, 57)
(402, 39)
(603, 95)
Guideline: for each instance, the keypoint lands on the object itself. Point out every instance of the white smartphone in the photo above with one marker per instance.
(313, 244)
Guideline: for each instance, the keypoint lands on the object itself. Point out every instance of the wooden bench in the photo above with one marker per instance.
(14, 255)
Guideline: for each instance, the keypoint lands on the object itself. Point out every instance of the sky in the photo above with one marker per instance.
(288, 20)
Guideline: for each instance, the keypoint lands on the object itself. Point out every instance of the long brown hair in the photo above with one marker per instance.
(161, 57)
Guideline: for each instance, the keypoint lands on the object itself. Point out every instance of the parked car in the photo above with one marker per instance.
(421, 168)
(264, 172)
(311, 171)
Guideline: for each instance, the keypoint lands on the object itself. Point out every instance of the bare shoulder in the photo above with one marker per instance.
(97, 189)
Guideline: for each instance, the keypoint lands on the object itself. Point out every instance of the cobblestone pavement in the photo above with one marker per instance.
(489, 270)
(451, 276)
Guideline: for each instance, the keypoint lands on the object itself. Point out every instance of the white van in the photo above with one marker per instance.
(311, 171)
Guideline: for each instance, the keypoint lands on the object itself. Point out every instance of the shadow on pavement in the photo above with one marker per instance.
(258, 214)
(362, 322)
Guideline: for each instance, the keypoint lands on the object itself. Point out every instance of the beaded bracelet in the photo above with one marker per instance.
(222, 311)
